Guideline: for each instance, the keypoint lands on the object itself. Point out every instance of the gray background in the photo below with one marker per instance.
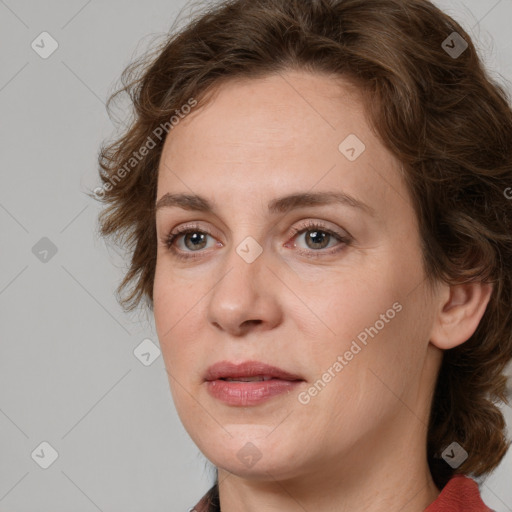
(68, 373)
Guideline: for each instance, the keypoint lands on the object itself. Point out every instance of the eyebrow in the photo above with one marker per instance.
(281, 205)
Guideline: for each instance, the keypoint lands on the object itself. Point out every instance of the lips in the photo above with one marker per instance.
(249, 371)
(250, 383)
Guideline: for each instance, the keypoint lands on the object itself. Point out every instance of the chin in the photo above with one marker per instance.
(252, 451)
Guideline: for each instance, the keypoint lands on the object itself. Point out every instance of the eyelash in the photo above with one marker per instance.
(310, 226)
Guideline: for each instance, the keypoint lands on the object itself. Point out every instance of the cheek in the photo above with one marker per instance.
(341, 310)
(369, 375)
(174, 313)
(373, 325)
(173, 298)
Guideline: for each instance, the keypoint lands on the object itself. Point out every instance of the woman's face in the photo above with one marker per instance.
(331, 291)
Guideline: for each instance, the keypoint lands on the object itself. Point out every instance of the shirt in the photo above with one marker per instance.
(460, 494)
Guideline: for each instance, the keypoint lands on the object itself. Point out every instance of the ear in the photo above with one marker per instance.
(461, 307)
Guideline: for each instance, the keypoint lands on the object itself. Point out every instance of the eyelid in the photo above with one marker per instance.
(193, 226)
(311, 224)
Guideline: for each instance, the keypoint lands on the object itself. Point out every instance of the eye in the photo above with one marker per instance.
(317, 237)
(197, 241)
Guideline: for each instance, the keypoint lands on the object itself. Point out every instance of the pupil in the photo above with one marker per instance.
(196, 237)
(319, 234)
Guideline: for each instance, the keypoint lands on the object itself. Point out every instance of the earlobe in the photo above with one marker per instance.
(461, 307)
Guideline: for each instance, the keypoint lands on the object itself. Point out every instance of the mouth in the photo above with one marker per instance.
(249, 383)
(258, 378)
(249, 371)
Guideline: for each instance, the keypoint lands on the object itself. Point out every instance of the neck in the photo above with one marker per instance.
(388, 473)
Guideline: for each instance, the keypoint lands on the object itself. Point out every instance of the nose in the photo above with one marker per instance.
(246, 297)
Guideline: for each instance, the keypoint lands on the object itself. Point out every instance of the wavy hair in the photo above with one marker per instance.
(441, 115)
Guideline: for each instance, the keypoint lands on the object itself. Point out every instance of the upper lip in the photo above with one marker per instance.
(227, 369)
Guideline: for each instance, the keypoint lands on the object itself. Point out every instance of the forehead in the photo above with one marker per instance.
(276, 111)
(276, 135)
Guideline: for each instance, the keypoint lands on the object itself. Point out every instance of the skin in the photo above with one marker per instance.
(358, 444)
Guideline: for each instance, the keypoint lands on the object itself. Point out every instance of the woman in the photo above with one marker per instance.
(314, 196)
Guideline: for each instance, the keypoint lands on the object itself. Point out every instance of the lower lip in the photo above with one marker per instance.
(249, 393)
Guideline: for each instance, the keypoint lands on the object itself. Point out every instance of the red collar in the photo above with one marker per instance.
(460, 494)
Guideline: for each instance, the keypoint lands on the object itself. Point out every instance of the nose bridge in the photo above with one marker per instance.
(242, 293)
(243, 268)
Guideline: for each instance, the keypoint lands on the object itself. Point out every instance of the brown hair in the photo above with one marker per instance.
(440, 114)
